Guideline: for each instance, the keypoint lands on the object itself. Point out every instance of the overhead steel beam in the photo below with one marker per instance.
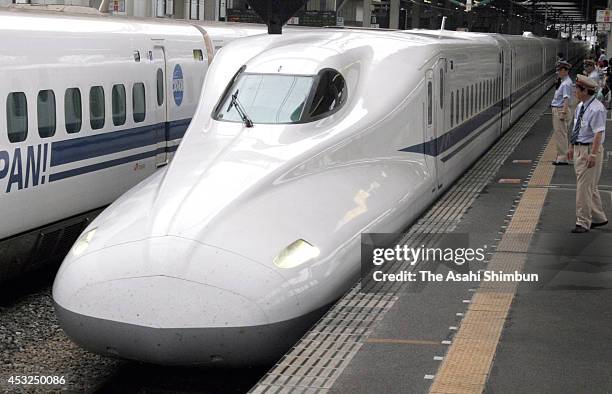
(275, 13)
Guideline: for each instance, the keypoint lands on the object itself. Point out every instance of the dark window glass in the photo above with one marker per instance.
(160, 86)
(441, 89)
(45, 111)
(17, 117)
(472, 100)
(457, 108)
(96, 107)
(118, 105)
(282, 99)
(139, 102)
(329, 95)
(429, 103)
(452, 107)
(462, 104)
(73, 113)
(467, 102)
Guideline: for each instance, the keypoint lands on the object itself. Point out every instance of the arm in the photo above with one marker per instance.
(567, 91)
(598, 124)
(592, 159)
(565, 105)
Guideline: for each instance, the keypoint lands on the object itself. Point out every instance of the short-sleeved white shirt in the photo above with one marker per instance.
(563, 91)
(593, 121)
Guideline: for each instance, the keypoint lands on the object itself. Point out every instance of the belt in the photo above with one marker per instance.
(582, 143)
(557, 107)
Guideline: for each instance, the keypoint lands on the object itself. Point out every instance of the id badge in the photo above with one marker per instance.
(583, 124)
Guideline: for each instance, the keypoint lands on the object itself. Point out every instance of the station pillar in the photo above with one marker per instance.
(367, 13)
(394, 14)
(416, 15)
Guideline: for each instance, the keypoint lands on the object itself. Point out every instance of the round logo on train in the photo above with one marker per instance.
(177, 84)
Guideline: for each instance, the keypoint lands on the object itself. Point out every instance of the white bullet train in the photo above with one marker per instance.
(228, 254)
(90, 105)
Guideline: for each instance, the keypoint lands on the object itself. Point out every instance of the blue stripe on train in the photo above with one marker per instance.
(92, 146)
(456, 135)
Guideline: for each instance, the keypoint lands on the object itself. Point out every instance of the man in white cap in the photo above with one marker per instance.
(586, 148)
(590, 70)
(561, 115)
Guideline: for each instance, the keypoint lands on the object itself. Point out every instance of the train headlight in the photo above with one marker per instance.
(297, 253)
(82, 243)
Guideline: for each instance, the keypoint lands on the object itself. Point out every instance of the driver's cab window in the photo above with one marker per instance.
(330, 93)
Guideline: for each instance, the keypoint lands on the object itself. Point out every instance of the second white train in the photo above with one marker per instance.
(228, 254)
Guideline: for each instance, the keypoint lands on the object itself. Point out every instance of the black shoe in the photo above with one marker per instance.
(579, 230)
(594, 225)
(560, 163)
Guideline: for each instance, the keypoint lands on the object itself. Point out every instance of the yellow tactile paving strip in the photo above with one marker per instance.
(469, 359)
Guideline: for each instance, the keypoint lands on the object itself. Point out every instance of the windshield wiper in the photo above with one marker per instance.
(243, 115)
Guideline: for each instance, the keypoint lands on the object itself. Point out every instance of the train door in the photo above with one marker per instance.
(162, 132)
(440, 110)
(430, 143)
(434, 118)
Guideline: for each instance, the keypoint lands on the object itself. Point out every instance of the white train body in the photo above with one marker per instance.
(90, 106)
(194, 265)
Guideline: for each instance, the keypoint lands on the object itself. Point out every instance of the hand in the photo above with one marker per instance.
(591, 161)
(570, 154)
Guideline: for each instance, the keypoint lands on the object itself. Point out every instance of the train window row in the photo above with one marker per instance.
(526, 73)
(470, 100)
(17, 109)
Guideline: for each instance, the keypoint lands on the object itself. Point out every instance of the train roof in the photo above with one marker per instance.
(17, 19)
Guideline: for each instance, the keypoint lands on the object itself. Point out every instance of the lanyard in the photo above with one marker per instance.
(583, 109)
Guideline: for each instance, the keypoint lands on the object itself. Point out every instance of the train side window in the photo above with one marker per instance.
(45, 111)
(73, 113)
(457, 108)
(118, 105)
(467, 102)
(139, 102)
(472, 106)
(429, 103)
(96, 107)
(17, 116)
(441, 89)
(452, 107)
(495, 91)
(462, 104)
(482, 103)
(160, 86)
(330, 95)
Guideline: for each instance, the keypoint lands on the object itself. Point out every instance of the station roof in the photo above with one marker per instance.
(560, 11)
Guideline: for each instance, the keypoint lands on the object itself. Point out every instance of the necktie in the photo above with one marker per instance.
(576, 130)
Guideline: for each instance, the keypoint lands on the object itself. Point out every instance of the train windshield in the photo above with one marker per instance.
(281, 99)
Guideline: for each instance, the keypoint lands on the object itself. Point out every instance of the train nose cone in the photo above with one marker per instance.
(168, 300)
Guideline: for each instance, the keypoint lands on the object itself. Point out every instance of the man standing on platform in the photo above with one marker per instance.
(561, 115)
(586, 148)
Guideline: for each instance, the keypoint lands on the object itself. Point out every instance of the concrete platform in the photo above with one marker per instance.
(553, 335)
